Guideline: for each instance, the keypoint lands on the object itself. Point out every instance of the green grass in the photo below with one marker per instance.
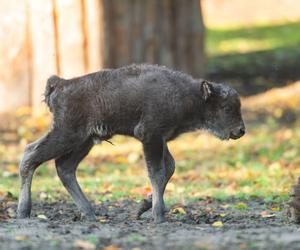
(252, 39)
(254, 59)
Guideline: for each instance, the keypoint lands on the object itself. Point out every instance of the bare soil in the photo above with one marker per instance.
(118, 228)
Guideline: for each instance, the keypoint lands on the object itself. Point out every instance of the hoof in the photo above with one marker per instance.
(23, 214)
(89, 217)
(144, 206)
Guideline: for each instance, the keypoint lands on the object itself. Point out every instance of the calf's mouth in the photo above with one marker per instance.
(238, 133)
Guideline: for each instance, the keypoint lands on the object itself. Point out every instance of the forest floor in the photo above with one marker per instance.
(206, 224)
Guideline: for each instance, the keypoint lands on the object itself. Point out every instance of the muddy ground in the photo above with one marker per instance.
(252, 225)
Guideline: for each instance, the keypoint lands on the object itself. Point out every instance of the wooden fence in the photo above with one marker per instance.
(41, 38)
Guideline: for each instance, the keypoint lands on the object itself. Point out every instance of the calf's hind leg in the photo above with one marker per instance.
(51, 146)
(66, 167)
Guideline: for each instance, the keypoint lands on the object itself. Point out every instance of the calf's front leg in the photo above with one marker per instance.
(169, 165)
(157, 159)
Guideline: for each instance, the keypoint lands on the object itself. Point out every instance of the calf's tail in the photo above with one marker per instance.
(53, 83)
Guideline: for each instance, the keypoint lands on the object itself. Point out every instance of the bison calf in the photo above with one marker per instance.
(151, 103)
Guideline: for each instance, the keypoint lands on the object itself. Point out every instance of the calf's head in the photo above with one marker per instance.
(222, 114)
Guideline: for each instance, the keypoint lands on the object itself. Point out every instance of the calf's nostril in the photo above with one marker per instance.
(242, 131)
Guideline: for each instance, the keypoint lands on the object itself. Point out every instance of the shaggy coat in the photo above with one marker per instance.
(154, 104)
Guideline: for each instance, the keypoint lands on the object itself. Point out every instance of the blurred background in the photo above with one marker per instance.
(252, 45)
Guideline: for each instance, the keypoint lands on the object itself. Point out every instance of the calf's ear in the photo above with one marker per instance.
(206, 89)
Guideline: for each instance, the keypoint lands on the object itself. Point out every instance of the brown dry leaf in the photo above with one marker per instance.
(243, 245)
(208, 209)
(106, 187)
(21, 237)
(121, 159)
(111, 247)
(11, 212)
(13, 169)
(6, 212)
(84, 244)
(265, 214)
(145, 191)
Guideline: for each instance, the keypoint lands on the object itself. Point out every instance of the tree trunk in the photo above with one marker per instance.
(167, 32)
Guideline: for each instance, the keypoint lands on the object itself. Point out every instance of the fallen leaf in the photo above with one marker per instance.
(111, 247)
(225, 206)
(102, 220)
(11, 212)
(121, 159)
(133, 157)
(275, 208)
(84, 244)
(145, 191)
(241, 205)
(217, 224)
(43, 195)
(208, 209)
(222, 215)
(13, 169)
(265, 214)
(179, 210)
(21, 237)
(42, 217)
(243, 245)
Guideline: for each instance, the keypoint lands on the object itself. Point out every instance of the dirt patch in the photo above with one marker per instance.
(256, 226)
